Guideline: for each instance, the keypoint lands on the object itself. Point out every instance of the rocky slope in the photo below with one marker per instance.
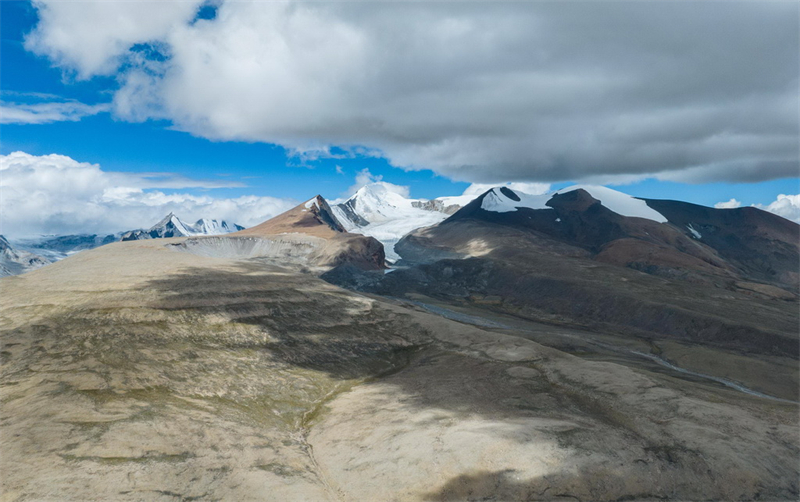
(666, 238)
(136, 372)
(308, 235)
(620, 268)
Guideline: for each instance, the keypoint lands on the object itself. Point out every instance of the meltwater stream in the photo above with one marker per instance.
(486, 323)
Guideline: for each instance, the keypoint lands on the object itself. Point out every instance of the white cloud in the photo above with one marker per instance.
(54, 194)
(787, 206)
(731, 204)
(364, 177)
(42, 113)
(94, 38)
(475, 91)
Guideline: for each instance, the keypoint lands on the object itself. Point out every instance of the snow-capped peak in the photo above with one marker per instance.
(503, 199)
(383, 211)
(172, 226)
(204, 226)
(376, 202)
(172, 223)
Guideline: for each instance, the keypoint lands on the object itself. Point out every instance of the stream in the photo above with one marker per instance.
(486, 323)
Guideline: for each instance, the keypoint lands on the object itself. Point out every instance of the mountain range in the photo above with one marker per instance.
(592, 257)
(15, 261)
(579, 345)
(375, 210)
(172, 226)
(53, 248)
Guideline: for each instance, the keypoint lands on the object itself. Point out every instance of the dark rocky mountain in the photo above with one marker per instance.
(668, 273)
(694, 242)
(757, 244)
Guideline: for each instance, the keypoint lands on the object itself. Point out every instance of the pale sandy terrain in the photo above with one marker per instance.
(138, 372)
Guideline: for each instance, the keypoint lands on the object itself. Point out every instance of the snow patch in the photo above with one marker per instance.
(694, 232)
(504, 200)
(621, 203)
(456, 200)
(498, 201)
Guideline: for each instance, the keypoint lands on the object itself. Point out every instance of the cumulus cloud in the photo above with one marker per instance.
(54, 194)
(731, 204)
(479, 92)
(787, 206)
(95, 38)
(42, 113)
(364, 177)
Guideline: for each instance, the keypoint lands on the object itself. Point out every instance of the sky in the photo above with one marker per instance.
(115, 113)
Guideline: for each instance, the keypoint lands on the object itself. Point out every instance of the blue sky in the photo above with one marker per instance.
(118, 145)
(147, 126)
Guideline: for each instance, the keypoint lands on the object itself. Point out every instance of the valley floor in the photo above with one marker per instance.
(136, 372)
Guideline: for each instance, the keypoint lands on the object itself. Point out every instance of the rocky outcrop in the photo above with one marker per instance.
(314, 217)
(316, 237)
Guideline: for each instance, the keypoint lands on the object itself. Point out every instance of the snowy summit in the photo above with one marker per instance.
(379, 210)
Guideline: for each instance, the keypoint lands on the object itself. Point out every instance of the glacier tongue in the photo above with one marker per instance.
(379, 211)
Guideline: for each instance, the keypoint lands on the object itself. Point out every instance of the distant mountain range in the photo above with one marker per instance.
(172, 226)
(27, 254)
(666, 238)
(15, 261)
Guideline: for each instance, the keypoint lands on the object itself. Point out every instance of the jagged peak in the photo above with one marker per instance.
(171, 217)
(313, 217)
